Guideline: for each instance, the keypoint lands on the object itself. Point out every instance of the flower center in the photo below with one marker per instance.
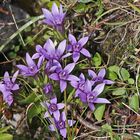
(63, 75)
(61, 124)
(9, 85)
(32, 69)
(53, 107)
(81, 85)
(77, 47)
(90, 98)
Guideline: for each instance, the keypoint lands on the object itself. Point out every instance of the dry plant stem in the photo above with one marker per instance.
(137, 76)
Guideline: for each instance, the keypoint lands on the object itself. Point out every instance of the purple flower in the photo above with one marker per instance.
(55, 18)
(53, 53)
(90, 96)
(99, 78)
(40, 54)
(60, 124)
(63, 75)
(7, 86)
(48, 88)
(77, 47)
(79, 85)
(31, 69)
(53, 108)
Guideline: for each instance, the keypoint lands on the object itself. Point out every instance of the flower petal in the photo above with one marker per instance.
(82, 77)
(72, 39)
(15, 76)
(83, 97)
(88, 86)
(6, 77)
(92, 74)
(76, 56)
(63, 116)
(108, 82)
(60, 105)
(15, 87)
(101, 100)
(91, 106)
(71, 122)
(38, 48)
(85, 52)
(63, 132)
(69, 67)
(51, 127)
(49, 46)
(54, 76)
(83, 41)
(56, 115)
(35, 56)
(53, 100)
(29, 60)
(47, 14)
(72, 78)
(98, 89)
(102, 73)
(74, 84)
(46, 115)
(66, 55)
(63, 85)
(61, 47)
(23, 68)
(55, 10)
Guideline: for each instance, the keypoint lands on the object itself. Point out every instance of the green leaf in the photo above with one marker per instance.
(5, 136)
(114, 68)
(5, 129)
(119, 91)
(99, 112)
(80, 8)
(85, 1)
(112, 75)
(134, 102)
(125, 74)
(107, 128)
(33, 111)
(131, 81)
(97, 60)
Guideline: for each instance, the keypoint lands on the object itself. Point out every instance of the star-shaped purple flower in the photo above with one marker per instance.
(31, 69)
(60, 124)
(53, 108)
(48, 88)
(55, 18)
(76, 47)
(99, 78)
(63, 75)
(79, 85)
(7, 86)
(54, 53)
(90, 96)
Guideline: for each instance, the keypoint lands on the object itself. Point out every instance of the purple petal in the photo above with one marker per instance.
(61, 9)
(74, 84)
(98, 89)
(56, 115)
(83, 41)
(63, 85)
(60, 105)
(82, 77)
(2, 87)
(15, 87)
(92, 74)
(63, 132)
(51, 127)
(108, 82)
(49, 46)
(69, 48)
(46, 115)
(69, 67)
(76, 56)
(53, 100)
(72, 78)
(91, 106)
(72, 39)
(62, 46)
(38, 48)
(6, 77)
(63, 116)
(40, 61)
(83, 97)
(35, 56)
(9, 99)
(88, 86)
(71, 122)
(85, 52)
(102, 73)
(66, 55)
(47, 15)
(77, 92)
(101, 100)
(29, 60)
(54, 76)
(15, 76)
(22, 68)
(55, 10)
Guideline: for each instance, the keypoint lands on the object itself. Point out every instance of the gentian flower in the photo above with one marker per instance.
(90, 96)
(99, 78)
(55, 18)
(31, 69)
(79, 85)
(63, 75)
(53, 108)
(7, 86)
(47, 88)
(55, 53)
(60, 124)
(77, 47)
